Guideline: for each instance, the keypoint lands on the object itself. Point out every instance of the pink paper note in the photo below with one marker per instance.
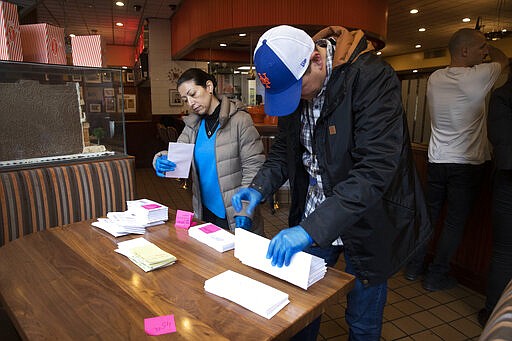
(151, 206)
(159, 325)
(210, 228)
(183, 219)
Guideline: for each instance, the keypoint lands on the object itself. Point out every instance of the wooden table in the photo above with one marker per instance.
(67, 283)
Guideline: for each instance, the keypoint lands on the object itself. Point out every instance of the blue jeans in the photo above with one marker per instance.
(330, 255)
(365, 305)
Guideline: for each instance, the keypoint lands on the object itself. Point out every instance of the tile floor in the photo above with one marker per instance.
(411, 312)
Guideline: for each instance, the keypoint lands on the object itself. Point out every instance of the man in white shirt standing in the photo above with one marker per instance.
(458, 145)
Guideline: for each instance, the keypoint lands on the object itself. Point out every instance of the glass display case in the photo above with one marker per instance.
(53, 113)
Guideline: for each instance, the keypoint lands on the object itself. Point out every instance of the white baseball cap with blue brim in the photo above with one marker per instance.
(281, 58)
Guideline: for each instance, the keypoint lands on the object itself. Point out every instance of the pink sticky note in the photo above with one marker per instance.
(183, 219)
(151, 206)
(210, 228)
(159, 325)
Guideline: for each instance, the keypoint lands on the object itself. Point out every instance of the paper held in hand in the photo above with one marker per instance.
(181, 154)
(258, 297)
(304, 269)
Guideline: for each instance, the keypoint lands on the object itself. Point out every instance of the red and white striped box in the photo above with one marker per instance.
(88, 51)
(43, 43)
(10, 40)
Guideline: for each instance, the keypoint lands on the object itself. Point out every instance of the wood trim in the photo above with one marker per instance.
(192, 22)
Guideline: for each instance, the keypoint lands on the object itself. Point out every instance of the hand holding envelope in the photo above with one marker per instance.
(180, 155)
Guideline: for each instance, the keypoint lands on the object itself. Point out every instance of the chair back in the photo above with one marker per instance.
(163, 135)
(172, 133)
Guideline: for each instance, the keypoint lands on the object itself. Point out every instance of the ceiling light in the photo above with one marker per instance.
(245, 68)
(120, 3)
(417, 46)
(242, 34)
(422, 29)
(504, 30)
(125, 67)
(72, 35)
(223, 45)
(466, 20)
(379, 53)
(120, 24)
(414, 71)
(413, 11)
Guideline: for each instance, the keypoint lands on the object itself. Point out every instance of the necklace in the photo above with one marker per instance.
(211, 129)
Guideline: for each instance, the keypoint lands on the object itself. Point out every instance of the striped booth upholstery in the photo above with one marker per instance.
(33, 200)
(499, 325)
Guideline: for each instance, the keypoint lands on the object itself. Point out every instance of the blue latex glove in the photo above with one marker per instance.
(243, 222)
(163, 165)
(287, 243)
(250, 194)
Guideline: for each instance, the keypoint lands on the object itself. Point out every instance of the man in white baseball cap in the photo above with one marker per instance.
(343, 145)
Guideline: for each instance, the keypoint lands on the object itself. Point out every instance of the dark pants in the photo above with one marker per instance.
(500, 272)
(210, 217)
(458, 185)
(365, 305)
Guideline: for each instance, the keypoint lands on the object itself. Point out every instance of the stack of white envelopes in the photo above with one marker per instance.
(213, 236)
(258, 297)
(148, 211)
(304, 269)
(135, 220)
(145, 254)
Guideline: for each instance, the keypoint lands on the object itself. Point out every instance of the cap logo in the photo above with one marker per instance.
(303, 62)
(264, 79)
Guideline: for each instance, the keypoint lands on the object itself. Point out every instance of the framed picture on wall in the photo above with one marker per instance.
(175, 98)
(76, 78)
(110, 104)
(92, 77)
(106, 77)
(129, 103)
(129, 77)
(108, 92)
(95, 107)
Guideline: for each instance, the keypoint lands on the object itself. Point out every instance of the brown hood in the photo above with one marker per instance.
(346, 43)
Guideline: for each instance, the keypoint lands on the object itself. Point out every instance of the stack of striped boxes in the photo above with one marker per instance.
(10, 38)
(43, 43)
(88, 51)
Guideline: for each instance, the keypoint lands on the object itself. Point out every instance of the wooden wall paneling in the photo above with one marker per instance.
(405, 91)
(144, 111)
(180, 33)
(410, 109)
(419, 121)
(142, 142)
(193, 22)
(219, 9)
(426, 127)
